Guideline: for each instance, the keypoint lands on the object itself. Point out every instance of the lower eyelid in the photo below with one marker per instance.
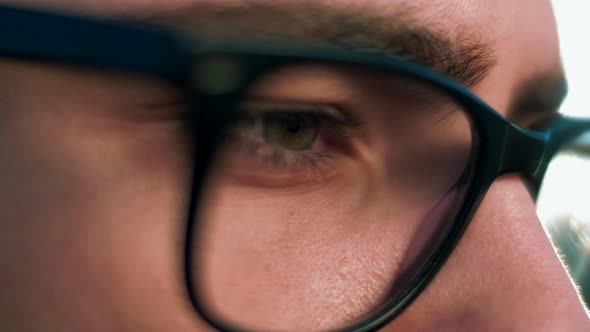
(280, 157)
(244, 164)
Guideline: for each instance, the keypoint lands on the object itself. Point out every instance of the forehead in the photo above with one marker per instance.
(444, 14)
(497, 20)
(521, 33)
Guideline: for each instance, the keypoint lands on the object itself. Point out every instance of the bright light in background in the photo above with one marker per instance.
(563, 196)
(573, 24)
(566, 189)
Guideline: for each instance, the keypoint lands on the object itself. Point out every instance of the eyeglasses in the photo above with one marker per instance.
(328, 186)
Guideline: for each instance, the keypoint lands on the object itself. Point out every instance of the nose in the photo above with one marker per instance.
(504, 275)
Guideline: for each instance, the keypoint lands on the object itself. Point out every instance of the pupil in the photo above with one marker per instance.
(293, 127)
(290, 131)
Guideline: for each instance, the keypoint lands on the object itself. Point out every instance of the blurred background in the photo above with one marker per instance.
(564, 201)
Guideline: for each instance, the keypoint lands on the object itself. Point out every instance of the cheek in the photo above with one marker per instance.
(91, 220)
(320, 259)
(299, 259)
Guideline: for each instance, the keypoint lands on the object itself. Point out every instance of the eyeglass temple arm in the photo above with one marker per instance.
(564, 130)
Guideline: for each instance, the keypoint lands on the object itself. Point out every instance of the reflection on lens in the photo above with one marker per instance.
(563, 206)
(331, 190)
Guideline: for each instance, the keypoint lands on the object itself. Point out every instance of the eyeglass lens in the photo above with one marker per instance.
(331, 189)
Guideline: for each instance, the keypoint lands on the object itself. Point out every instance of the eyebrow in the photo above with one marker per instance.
(464, 58)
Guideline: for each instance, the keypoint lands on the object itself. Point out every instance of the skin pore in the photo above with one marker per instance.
(93, 198)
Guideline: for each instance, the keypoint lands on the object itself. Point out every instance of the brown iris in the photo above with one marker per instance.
(293, 131)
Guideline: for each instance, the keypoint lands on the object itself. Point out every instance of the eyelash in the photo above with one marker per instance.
(331, 128)
(282, 158)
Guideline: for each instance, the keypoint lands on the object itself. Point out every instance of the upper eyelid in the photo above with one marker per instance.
(295, 107)
(336, 115)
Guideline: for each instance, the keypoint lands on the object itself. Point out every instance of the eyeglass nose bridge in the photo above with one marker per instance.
(524, 153)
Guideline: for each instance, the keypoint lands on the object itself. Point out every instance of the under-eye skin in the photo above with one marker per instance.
(287, 138)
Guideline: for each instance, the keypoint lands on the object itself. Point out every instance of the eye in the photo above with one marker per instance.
(279, 143)
(291, 128)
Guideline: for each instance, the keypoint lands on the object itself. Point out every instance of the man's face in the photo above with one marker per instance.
(95, 176)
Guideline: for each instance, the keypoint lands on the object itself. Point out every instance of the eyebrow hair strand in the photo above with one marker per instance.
(465, 58)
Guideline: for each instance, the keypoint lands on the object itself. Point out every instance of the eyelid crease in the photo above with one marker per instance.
(467, 57)
(292, 107)
(334, 116)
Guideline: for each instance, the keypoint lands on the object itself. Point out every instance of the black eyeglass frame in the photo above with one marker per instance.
(131, 47)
